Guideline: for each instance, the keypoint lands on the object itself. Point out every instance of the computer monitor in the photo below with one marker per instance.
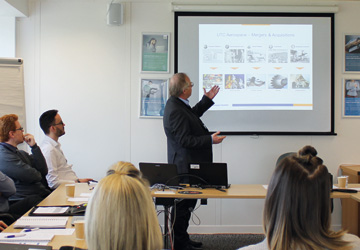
(160, 173)
(208, 174)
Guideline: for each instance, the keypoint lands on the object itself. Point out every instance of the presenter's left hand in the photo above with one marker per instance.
(216, 138)
(212, 92)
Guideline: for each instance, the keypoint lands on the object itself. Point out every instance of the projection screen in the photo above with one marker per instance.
(275, 71)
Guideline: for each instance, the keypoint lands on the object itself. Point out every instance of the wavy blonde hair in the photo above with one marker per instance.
(125, 167)
(121, 214)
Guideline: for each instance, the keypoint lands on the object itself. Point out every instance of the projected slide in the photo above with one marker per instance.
(257, 66)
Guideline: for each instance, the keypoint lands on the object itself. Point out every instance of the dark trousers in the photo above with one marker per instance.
(181, 213)
(19, 207)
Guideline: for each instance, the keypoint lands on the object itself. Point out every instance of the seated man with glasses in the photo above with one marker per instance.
(27, 171)
(60, 171)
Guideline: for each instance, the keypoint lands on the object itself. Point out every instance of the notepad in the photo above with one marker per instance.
(41, 222)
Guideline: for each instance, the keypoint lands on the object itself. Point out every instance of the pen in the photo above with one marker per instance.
(31, 229)
(14, 235)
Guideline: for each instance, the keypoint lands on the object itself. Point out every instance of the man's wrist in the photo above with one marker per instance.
(33, 146)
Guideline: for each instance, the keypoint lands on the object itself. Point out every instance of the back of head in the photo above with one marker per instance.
(47, 119)
(7, 124)
(297, 206)
(177, 84)
(125, 168)
(121, 215)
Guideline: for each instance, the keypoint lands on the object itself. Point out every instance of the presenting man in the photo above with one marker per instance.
(27, 171)
(188, 141)
(59, 169)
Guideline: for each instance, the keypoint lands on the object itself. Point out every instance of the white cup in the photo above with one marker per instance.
(343, 181)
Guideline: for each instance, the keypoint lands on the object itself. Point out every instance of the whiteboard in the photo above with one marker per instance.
(12, 97)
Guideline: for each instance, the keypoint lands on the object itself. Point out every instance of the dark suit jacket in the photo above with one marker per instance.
(188, 140)
(27, 171)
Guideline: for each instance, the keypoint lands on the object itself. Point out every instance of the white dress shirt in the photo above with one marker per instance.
(59, 169)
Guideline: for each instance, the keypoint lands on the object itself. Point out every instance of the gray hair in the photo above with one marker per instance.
(178, 84)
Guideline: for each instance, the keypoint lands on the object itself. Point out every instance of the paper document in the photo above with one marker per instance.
(50, 210)
(81, 199)
(85, 194)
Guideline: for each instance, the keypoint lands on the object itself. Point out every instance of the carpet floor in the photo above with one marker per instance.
(226, 241)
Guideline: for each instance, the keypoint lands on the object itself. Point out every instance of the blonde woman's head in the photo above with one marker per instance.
(124, 167)
(121, 214)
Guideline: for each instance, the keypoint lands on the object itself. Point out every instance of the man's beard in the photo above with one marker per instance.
(60, 132)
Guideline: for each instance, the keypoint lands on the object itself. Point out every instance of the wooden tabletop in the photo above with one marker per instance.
(236, 191)
(58, 198)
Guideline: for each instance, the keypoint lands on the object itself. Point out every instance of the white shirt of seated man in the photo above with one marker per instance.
(59, 171)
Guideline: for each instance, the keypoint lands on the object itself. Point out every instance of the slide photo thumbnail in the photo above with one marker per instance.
(256, 81)
(210, 80)
(278, 56)
(300, 55)
(235, 56)
(234, 81)
(213, 55)
(278, 82)
(300, 81)
(256, 56)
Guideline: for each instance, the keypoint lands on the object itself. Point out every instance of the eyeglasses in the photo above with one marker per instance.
(191, 84)
(60, 123)
(21, 129)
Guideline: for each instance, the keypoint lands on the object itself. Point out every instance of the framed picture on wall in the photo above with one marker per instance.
(352, 53)
(351, 97)
(154, 93)
(155, 52)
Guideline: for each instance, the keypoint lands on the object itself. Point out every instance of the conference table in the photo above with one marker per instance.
(58, 198)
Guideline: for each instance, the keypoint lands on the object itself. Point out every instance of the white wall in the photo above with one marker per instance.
(74, 62)
(7, 34)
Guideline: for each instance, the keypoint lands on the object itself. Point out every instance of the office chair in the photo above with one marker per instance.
(283, 156)
(7, 218)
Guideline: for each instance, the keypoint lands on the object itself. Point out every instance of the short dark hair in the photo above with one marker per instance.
(47, 120)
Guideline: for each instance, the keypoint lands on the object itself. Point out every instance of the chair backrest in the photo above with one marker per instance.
(7, 218)
(283, 156)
